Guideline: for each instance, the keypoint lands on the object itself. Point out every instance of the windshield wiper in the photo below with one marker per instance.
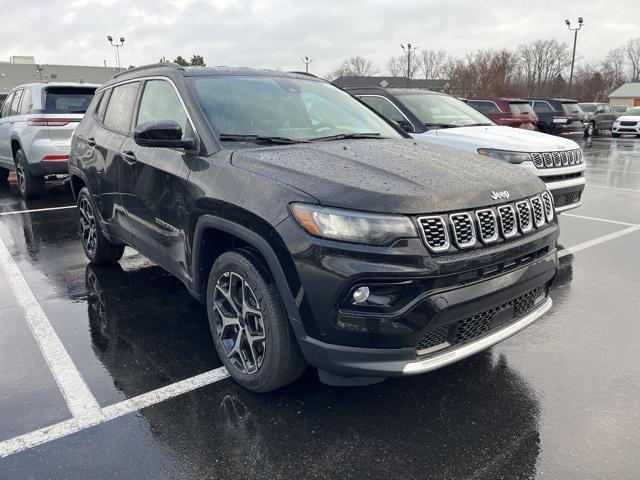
(477, 125)
(230, 137)
(345, 136)
(440, 125)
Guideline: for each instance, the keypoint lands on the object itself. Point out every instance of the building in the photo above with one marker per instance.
(391, 82)
(23, 69)
(628, 95)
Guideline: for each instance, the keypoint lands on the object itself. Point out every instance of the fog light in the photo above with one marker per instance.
(361, 294)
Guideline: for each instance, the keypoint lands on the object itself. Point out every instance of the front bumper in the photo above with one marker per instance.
(626, 129)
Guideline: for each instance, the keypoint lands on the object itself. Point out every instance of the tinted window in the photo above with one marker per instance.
(384, 107)
(27, 102)
(542, 107)
(15, 104)
(296, 108)
(520, 108)
(571, 107)
(485, 107)
(67, 99)
(102, 106)
(160, 102)
(6, 105)
(120, 107)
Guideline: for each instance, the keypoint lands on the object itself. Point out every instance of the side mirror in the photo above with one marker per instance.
(405, 125)
(162, 134)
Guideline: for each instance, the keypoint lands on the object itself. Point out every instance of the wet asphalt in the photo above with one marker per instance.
(560, 400)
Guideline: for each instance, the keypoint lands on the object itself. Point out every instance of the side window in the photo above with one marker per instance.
(388, 110)
(607, 108)
(15, 105)
(160, 102)
(542, 107)
(484, 107)
(102, 106)
(6, 105)
(27, 102)
(120, 107)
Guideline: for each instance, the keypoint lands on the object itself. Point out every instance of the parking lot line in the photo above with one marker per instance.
(597, 241)
(80, 400)
(73, 425)
(37, 210)
(598, 219)
(613, 188)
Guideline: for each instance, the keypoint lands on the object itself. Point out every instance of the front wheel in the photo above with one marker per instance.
(96, 246)
(30, 185)
(250, 328)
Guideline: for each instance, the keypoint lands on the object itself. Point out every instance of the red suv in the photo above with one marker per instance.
(511, 112)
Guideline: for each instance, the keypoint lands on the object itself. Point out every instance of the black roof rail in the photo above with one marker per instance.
(152, 65)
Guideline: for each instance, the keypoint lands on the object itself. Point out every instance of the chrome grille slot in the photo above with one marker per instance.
(548, 159)
(565, 158)
(547, 200)
(487, 225)
(557, 161)
(537, 159)
(538, 211)
(464, 233)
(507, 221)
(524, 216)
(435, 233)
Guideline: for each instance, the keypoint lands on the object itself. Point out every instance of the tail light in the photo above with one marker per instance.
(56, 158)
(51, 122)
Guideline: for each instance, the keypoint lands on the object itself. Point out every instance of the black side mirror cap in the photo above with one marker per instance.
(162, 134)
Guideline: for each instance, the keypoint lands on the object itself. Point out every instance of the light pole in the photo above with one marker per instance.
(117, 45)
(306, 60)
(408, 51)
(575, 40)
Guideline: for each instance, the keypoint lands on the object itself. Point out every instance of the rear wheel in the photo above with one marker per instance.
(96, 246)
(30, 185)
(250, 329)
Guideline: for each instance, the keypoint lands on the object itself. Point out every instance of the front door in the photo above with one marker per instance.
(155, 184)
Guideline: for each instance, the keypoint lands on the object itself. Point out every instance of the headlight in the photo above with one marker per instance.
(351, 226)
(506, 155)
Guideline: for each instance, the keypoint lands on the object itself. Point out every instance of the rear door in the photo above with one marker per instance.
(104, 165)
(155, 183)
(606, 117)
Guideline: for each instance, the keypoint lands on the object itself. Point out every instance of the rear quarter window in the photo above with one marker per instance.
(67, 99)
(569, 107)
(487, 108)
(520, 108)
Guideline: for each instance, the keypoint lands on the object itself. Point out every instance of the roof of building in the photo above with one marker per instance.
(629, 89)
(389, 82)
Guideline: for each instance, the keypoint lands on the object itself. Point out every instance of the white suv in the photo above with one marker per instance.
(36, 124)
(444, 120)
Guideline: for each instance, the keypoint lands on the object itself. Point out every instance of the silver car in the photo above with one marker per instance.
(36, 124)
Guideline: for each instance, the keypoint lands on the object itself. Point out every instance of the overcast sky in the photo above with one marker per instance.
(276, 33)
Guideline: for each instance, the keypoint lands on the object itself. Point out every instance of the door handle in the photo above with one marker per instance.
(91, 142)
(129, 157)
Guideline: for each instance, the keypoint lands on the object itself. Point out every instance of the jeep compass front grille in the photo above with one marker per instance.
(557, 159)
(463, 229)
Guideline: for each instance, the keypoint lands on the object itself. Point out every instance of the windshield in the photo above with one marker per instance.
(442, 111)
(284, 108)
(588, 107)
(520, 108)
(68, 99)
(571, 107)
(634, 112)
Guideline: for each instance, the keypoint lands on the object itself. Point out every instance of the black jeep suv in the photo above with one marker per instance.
(559, 116)
(315, 231)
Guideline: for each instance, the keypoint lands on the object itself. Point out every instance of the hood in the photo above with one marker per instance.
(628, 118)
(499, 137)
(392, 176)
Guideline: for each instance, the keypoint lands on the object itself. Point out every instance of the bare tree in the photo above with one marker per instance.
(483, 72)
(432, 63)
(397, 66)
(355, 67)
(633, 54)
(541, 64)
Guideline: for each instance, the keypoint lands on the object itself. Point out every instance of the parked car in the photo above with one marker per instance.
(440, 119)
(599, 117)
(627, 124)
(559, 116)
(36, 124)
(510, 112)
(619, 110)
(314, 230)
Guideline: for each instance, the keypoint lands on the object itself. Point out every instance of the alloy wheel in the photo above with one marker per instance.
(88, 225)
(22, 181)
(239, 322)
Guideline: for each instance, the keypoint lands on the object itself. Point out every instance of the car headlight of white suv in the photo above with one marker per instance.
(506, 155)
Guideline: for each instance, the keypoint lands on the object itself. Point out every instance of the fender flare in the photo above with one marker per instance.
(257, 242)
(74, 171)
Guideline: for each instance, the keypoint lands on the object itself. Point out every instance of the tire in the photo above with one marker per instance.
(96, 246)
(542, 128)
(30, 186)
(615, 135)
(274, 358)
(4, 174)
